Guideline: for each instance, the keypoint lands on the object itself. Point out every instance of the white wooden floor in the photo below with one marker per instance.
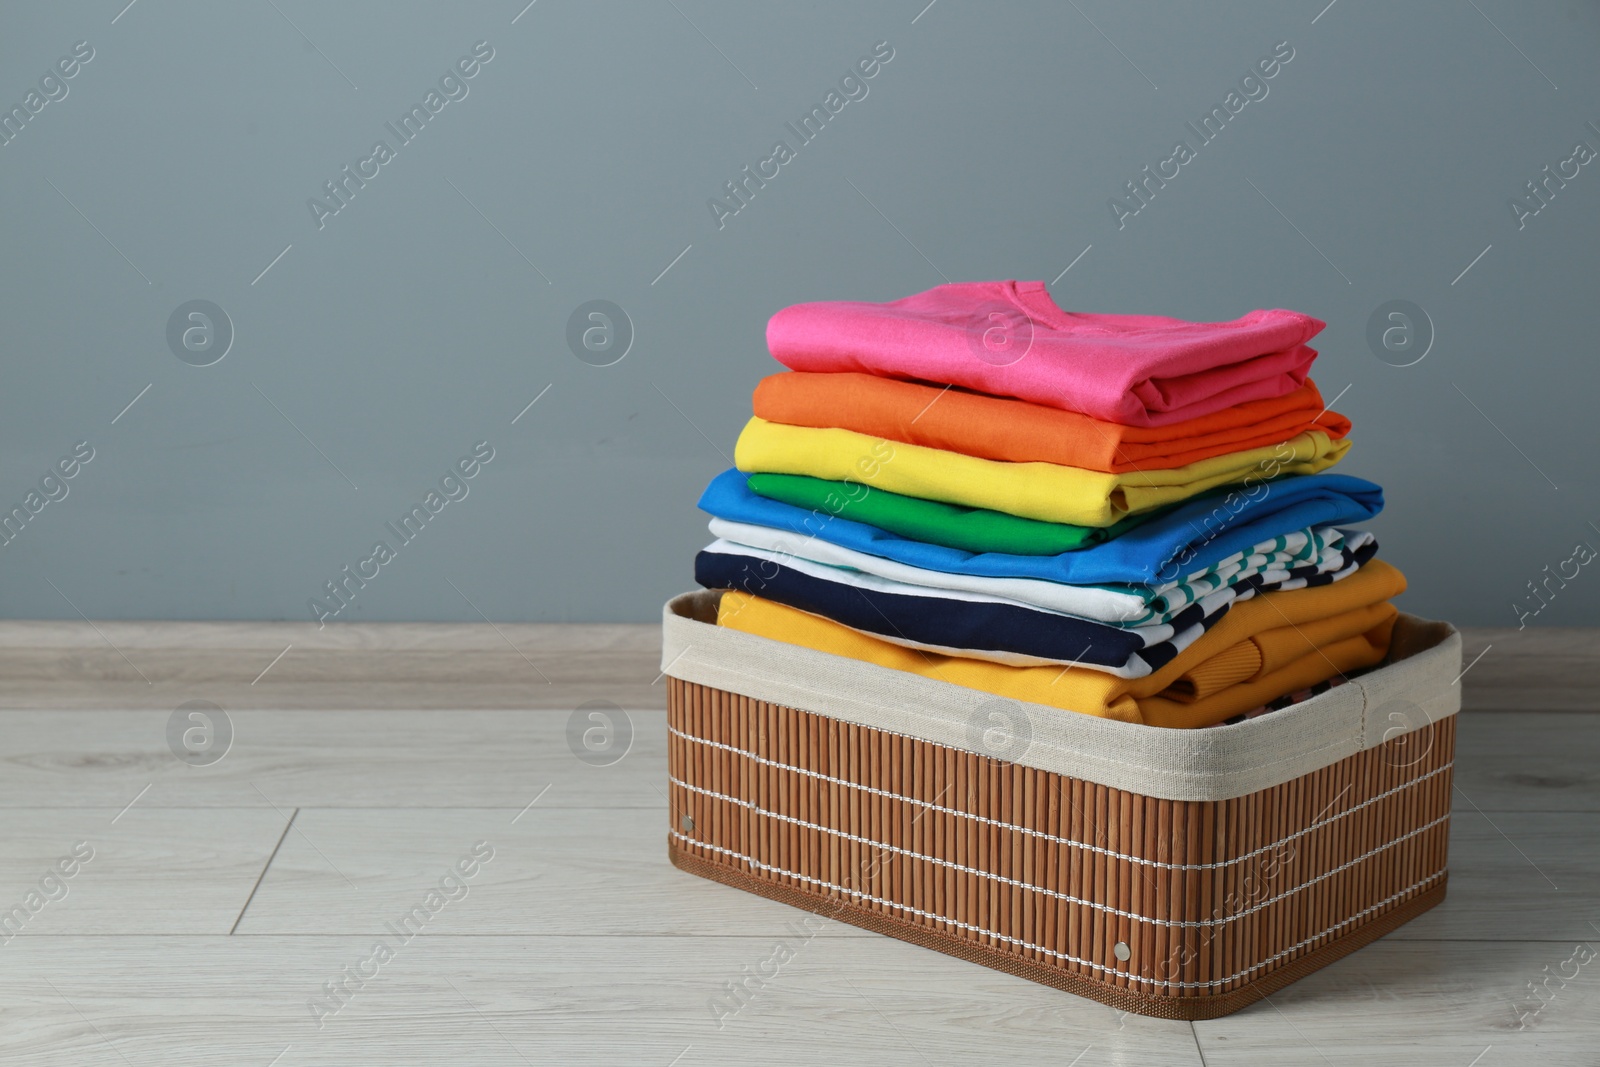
(220, 900)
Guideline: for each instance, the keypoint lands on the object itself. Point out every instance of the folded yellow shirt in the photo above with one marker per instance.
(1263, 648)
(1045, 491)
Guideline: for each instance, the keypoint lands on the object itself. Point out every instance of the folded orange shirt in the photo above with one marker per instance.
(1015, 431)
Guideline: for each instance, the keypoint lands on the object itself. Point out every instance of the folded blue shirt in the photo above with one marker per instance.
(1191, 538)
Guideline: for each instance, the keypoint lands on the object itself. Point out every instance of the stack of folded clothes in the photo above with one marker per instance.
(1118, 515)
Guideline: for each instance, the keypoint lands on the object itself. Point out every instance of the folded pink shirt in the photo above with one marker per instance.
(1010, 339)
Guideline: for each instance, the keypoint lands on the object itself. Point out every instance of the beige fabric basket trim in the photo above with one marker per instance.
(1419, 686)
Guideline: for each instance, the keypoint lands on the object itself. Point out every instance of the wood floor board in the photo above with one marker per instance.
(392, 759)
(1437, 1005)
(1506, 761)
(551, 871)
(1514, 876)
(136, 871)
(573, 1000)
(1528, 760)
(1518, 876)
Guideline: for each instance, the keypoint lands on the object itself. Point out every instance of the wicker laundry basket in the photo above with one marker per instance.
(1176, 873)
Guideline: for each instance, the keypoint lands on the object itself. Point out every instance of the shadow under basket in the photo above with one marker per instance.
(1182, 874)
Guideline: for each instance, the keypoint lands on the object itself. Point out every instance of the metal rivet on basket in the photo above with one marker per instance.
(687, 822)
(1122, 951)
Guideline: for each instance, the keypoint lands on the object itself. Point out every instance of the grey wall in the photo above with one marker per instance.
(431, 309)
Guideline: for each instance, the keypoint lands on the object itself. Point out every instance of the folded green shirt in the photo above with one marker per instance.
(933, 522)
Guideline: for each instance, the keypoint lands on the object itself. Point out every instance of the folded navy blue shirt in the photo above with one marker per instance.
(958, 624)
(1192, 537)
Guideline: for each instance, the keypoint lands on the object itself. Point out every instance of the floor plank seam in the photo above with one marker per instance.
(1198, 1050)
(262, 876)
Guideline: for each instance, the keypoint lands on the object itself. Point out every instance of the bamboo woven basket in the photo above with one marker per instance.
(1176, 873)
